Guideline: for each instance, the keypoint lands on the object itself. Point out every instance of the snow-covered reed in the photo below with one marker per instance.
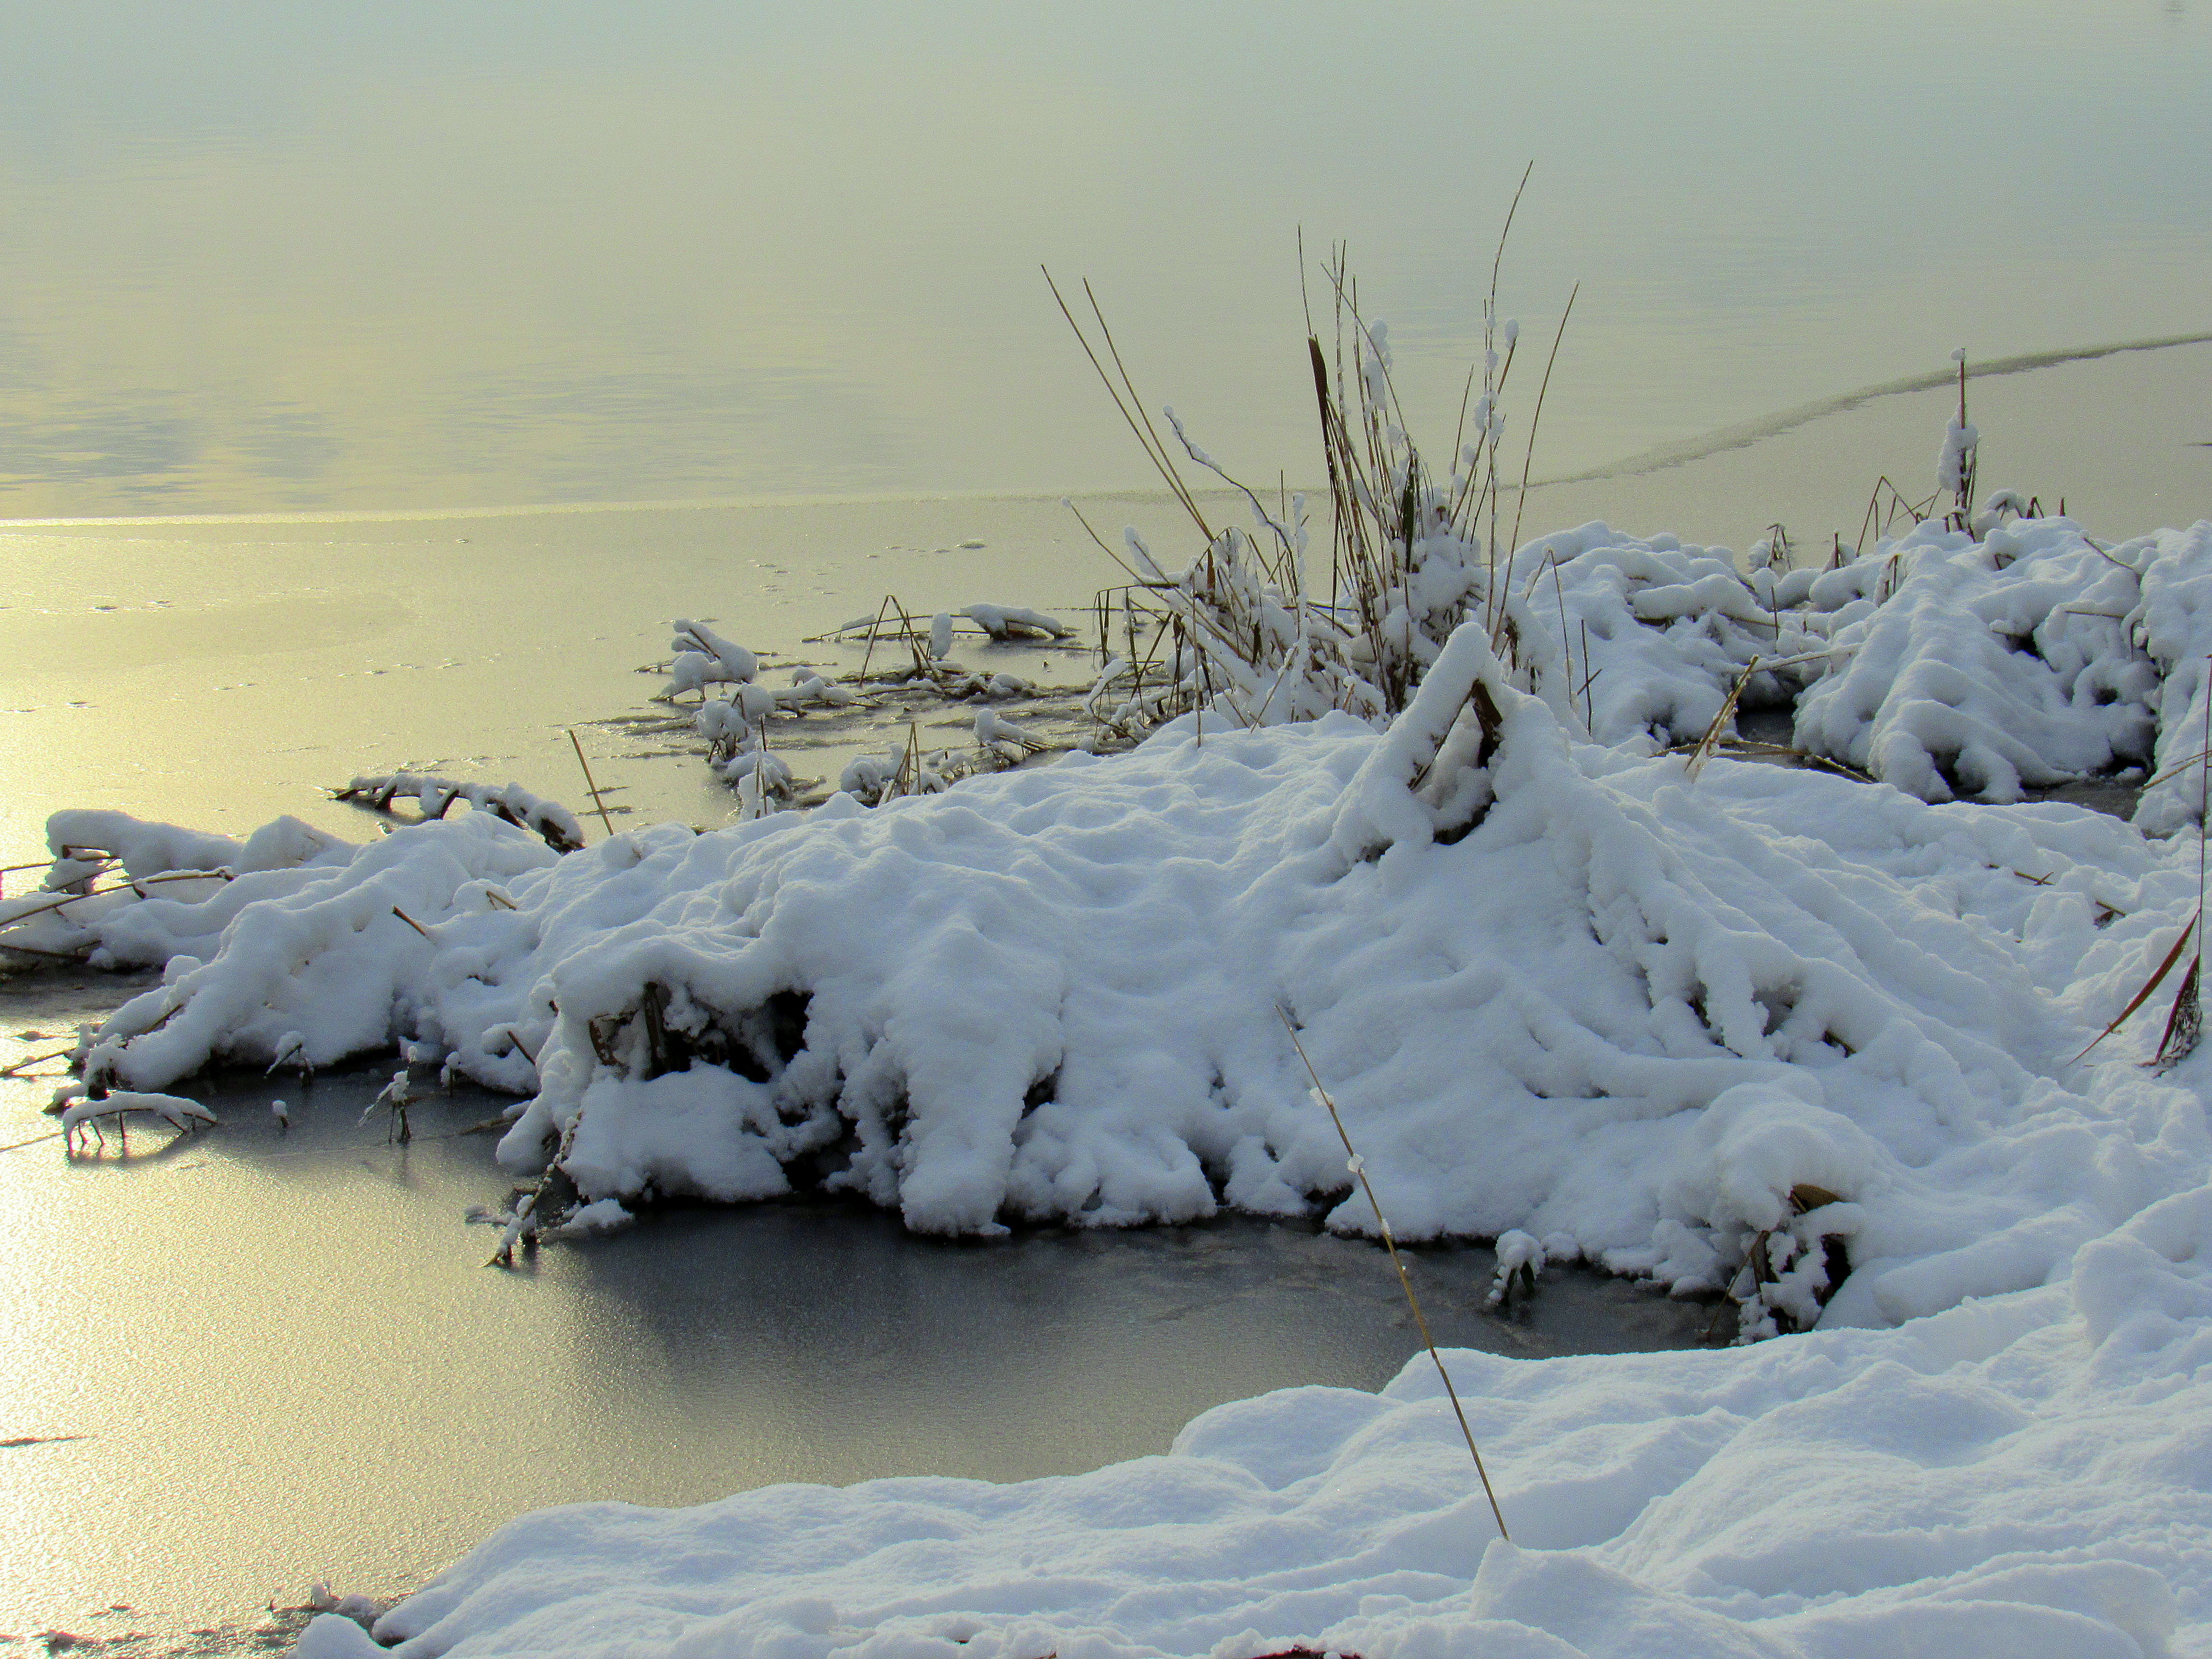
(1979, 653)
(434, 797)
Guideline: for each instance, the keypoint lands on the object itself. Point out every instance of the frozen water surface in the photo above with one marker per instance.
(434, 256)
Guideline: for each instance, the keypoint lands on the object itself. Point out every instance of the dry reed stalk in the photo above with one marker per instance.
(1490, 312)
(2158, 976)
(56, 903)
(1899, 507)
(1566, 639)
(1266, 646)
(1529, 460)
(1970, 462)
(1132, 410)
(2184, 1021)
(591, 786)
(1359, 1168)
(2177, 768)
(1703, 752)
(907, 780)
(50, 956)
(869, 655)
(25, 1064)
(2185, 1024)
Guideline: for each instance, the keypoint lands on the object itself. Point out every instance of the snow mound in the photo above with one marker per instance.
(1742, 1033)
(1993, 664)
(1640, 640)
(2172, 621)
(165, 900)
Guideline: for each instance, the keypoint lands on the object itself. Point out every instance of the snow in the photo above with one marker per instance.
(434, 798)
(1978, 662)
(1954, 464)
(82, 1117)
(1818, 1046)
(1996, 663)
(2172, 620)
(704, 658)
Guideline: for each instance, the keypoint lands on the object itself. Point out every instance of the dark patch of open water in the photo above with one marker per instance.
(249, 1358)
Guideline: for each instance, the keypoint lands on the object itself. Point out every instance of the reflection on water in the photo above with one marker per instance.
(257, 1357)
(264, 258)
(218, 673)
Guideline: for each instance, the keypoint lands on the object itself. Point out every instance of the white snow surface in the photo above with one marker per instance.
(1944, 663)
(2019, 659)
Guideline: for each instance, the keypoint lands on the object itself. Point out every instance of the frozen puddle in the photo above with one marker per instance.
(282, 1357)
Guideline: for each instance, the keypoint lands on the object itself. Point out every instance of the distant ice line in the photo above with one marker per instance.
(1745, 433)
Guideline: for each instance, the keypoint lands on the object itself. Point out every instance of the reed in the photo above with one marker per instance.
(1358, 1168)
(1251, 629)
(591, 785)
(2185, 1020)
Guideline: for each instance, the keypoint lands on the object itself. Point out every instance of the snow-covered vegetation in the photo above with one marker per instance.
(905, 669)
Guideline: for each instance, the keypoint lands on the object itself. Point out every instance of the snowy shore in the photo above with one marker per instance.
(1822, 1045)
(2022, 1476)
